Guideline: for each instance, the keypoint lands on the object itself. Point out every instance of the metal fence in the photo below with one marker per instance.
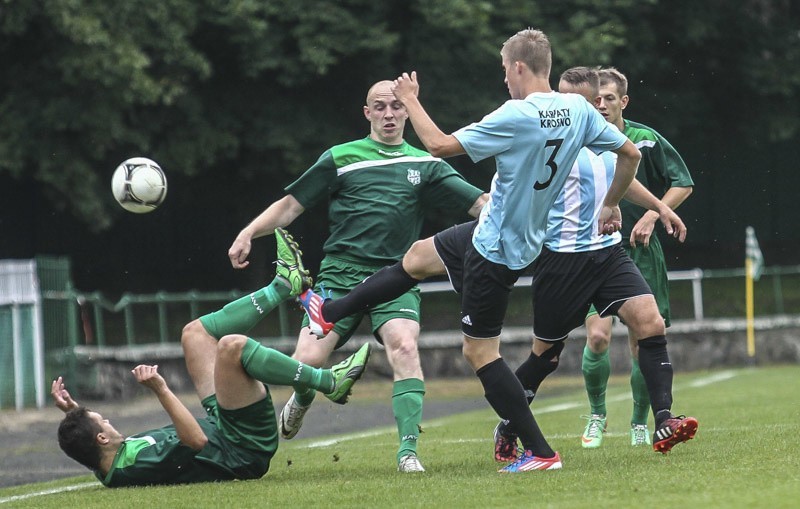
(70, 319)
(87, 311)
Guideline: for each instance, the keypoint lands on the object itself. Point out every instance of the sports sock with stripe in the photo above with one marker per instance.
(641, 400)
(243, 314)
(657, 371)
(596, 368)
(407, 397)
(273, 367)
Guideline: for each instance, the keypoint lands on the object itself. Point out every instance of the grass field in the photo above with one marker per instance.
(744, 455)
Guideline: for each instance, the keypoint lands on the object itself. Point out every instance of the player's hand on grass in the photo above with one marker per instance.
(149, 377)
(61, 396)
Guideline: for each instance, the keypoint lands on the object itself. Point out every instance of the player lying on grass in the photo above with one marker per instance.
(239, 436)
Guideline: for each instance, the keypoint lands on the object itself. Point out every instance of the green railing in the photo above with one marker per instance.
(167, 329)
(712, 293)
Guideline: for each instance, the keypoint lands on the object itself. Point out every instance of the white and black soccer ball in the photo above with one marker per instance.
(139, 185)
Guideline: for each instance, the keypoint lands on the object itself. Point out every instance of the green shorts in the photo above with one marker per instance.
(651, 263)
(243, 440)
(340, 276)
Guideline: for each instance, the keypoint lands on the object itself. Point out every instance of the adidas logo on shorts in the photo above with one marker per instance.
(466, 320)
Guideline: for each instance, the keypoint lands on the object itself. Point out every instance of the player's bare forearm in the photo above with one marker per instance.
(475, 210)
(675, 196)
(436, 142)
(279, 214)
(639, 195)
(189, 431)
(186, 426)
(628, 157)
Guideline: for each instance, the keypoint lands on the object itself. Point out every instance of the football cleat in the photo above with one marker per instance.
(410, 463)
(289, 265)
(505, 444)
(347, 373)
(673, 431)
(640, 435)
(592, 436)
(312, 304)
(291, 417)
(528, 462)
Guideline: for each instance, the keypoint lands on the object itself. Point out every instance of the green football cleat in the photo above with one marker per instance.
(640, 435)
(289, 266)
(592, 436)
(346, 373)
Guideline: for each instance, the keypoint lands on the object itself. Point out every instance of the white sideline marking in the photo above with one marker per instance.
(49, 492)
(700, 382)
(716, 377)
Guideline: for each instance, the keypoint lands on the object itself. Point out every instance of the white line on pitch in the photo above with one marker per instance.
(558, 407)
(51, 491)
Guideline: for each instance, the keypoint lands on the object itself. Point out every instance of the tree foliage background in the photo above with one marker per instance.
(235, 98)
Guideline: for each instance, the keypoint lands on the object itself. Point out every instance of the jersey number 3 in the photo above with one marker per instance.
(551, 163)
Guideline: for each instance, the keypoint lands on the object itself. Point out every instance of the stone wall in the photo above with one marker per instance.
(693, 345)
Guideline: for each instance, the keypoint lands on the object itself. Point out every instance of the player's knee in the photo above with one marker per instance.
(648, 324)
(231, 345)
(191, 331)
(415, 261)
(403, 349)
(598, 339)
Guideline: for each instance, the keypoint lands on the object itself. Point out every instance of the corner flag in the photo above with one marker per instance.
(754, 266)
(754, 254)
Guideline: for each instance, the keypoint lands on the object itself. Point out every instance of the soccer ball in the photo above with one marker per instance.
(139, 185)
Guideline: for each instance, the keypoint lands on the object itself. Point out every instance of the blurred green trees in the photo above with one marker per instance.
(246, 87)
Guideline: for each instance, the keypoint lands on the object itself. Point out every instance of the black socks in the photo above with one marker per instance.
(505, 394)
(383, 286)
(657, 371)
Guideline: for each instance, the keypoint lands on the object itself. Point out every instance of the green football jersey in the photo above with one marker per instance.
(660, 169)
(158, 457)
(378, 195)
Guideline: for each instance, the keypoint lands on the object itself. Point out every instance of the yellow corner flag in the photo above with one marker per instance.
(753, 267)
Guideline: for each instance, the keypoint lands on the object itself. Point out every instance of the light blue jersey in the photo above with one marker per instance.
(572, 223)
(535, 142)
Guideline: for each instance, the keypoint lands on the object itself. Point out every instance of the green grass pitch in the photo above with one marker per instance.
(745, 454)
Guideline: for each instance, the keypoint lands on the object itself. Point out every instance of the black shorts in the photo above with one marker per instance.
(566, 284)
(484, 286)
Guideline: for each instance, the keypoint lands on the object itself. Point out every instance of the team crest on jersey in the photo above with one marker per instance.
(414, 177)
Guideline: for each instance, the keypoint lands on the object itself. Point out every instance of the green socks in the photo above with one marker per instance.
(243, 314)
(304, 396)
(272, 367)
(407, 405)
(641, 399)
(596, 370)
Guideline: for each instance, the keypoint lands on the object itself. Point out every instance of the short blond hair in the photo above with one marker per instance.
(611, 76)
(579, 76)
(532, 48)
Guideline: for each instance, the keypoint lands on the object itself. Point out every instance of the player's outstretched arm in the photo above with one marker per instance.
(439, 144)
(280, 214)
(61, 396)
(189, 431)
